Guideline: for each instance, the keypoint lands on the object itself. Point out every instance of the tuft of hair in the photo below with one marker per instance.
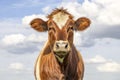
(57, 10)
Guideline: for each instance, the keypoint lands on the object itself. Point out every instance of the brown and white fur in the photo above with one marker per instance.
(59, 59)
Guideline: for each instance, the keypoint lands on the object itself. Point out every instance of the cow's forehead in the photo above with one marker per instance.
(60, 19)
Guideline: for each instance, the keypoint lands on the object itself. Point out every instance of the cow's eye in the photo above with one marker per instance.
(51, 28)
(70, 28)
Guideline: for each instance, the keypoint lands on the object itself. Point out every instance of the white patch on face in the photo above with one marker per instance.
(60, 19)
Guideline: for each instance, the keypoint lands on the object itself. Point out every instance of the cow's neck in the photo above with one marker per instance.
(70, 61)
(63, 63)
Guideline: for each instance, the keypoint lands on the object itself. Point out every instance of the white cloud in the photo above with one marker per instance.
(110, 13)
(101, 12)
(36, 38)
(81, 40)
(16, 66)
(22, 44)
(13, 39)
(108, 42)
(104, 65)
(77, 38)
(46, 9)
(109, 67)
(96, 59)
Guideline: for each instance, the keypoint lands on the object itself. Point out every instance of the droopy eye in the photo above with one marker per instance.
(70, 28)
(51, 28)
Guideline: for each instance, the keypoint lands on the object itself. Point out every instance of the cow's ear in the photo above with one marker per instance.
(39, 25)
(82, 23)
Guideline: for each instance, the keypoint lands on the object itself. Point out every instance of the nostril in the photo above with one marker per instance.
(66, 45)
(57, 46)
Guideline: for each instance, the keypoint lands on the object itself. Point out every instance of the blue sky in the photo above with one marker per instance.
(22, 7)
(26, 7)
(99, 44)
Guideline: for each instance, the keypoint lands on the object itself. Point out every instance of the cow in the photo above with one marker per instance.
(59, 59)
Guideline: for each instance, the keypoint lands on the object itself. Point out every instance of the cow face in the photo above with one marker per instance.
(60, 32)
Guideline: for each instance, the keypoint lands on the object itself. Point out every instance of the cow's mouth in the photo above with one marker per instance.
(60, 55)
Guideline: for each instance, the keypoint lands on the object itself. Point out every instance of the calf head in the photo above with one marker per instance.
(60, 27)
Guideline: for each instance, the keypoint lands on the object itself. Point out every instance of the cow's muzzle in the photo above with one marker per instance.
(61, 49)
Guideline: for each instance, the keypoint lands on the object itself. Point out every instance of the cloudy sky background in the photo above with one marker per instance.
(99, 45)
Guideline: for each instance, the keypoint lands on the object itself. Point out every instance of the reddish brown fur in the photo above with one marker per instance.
(73, 67)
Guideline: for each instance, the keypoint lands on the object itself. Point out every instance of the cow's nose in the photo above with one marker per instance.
(61, 46)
